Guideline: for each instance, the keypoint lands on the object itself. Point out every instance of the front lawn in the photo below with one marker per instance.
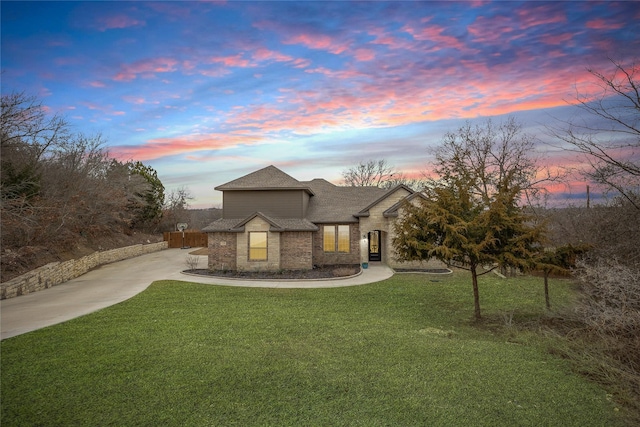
(403, 352)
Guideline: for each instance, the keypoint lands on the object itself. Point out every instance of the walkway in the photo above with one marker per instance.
(119, 281)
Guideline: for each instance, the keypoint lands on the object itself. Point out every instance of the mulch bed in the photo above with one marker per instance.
(325, 272)
(424, 270)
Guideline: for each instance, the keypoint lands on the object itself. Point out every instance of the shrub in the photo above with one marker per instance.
(610, 302)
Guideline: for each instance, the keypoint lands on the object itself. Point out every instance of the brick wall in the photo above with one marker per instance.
(56, 273)
(320, 257)
(296, 251)
(222, 251)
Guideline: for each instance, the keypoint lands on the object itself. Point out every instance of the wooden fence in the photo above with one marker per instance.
(193, 239)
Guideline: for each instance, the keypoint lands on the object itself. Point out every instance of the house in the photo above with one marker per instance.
(271, 221)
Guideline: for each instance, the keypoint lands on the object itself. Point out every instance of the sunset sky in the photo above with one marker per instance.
(205, 92)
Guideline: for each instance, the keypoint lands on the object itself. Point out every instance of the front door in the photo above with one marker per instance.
(374, 246)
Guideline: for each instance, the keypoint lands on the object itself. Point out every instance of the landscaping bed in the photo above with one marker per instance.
(424, 270)
(319, 272)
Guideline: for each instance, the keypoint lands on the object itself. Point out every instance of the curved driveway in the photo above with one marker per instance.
(113, 283)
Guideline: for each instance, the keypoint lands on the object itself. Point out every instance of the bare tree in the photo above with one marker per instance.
(176, 205)
(378, 173)
(609, 138)
(373, 173)
(493, 155)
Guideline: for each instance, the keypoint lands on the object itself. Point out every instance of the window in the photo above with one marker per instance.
(336, 238)
(343, 238)
(329, 238)
(258, 246)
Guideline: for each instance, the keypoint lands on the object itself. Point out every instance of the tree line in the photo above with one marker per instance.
(57, 185)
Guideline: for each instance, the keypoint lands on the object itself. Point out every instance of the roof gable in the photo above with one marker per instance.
(393, 210)
(365, 211)
(269, 178)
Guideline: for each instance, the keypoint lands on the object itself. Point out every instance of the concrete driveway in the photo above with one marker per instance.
(119, 281)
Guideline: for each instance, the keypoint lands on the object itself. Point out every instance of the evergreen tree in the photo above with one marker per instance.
(471, 216)
(152, 194)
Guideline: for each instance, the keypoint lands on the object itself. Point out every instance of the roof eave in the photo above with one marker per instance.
(223, 188)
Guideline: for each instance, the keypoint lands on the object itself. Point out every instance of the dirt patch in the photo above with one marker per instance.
(324, 272)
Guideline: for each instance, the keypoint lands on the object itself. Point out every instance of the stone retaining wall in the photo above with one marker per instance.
(56, 273)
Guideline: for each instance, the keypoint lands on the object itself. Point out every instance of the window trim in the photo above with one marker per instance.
(265, 248)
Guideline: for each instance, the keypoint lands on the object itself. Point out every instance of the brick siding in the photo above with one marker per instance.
(320, 257)
(222, 251)
(296, 250)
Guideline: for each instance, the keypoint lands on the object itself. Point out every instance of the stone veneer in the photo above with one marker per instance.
(56, 273)
(377, 221)
(273, 248)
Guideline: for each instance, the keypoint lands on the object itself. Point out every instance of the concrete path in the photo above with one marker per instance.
(119, 281)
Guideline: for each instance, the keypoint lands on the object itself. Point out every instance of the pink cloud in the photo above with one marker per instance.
(104, 109)
(301, 63)
(319, 42)
(498, 29)
(263, 54)
(401, 103)
(601, 24)
(337, 74)
(381, 37)
(364, 54)
(434, 33)
(145, 68)
(171, 146)
(539, 15)
(134, 100)
(231, 61)
(557, 39)
(118, 21)
(97, 83)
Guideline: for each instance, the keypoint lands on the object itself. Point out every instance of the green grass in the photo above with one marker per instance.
(403, 352)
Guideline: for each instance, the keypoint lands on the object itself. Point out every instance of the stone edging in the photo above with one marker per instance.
(56, 273)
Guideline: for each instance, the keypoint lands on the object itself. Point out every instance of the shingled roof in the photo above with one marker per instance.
(333, 203)
(269, 178)
(277, 224)
(328, 203)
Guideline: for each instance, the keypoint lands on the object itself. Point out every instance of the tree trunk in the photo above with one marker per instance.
(476, 292)
(546, 289)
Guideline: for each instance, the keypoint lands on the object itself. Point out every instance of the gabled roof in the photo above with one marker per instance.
(272, 223)
(365, 211)
(236, 225)
(269, 178)
(330, 203)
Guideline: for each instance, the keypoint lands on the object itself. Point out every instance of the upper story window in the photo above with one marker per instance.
(257, 246)
(336, 238)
